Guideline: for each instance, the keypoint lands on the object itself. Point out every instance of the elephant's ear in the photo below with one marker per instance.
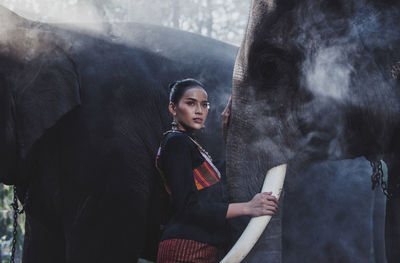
(48, 89)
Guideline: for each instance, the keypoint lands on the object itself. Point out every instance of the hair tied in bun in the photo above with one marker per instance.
(171, 85)
(178, 88)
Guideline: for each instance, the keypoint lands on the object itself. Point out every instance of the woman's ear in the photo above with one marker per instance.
(172, 108)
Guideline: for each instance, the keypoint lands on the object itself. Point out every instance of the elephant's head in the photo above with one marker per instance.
(38, 85)
(312, 81)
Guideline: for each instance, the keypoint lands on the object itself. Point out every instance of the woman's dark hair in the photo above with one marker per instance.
(178, 88)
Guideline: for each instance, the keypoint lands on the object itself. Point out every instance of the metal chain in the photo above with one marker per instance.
(17, 212)
(396, 71)
(377, 177)
(377, 173)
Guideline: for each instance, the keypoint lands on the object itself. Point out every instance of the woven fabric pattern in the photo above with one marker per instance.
(205, 175)
(184, 250)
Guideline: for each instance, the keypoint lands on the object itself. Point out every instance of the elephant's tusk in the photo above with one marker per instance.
(273, 183)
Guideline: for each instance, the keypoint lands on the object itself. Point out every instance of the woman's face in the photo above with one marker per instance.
(192, 109)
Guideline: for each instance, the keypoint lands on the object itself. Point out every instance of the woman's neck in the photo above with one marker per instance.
(186, 130)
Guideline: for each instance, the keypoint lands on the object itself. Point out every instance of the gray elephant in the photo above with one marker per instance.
(82, 115)
(313, 81)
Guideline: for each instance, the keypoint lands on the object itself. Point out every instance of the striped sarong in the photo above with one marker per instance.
(184, 250)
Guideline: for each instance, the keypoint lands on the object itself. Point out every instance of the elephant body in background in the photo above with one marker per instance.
(314, 81)
(82, 115)
(330, 214)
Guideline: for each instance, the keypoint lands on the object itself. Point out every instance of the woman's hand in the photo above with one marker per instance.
(262, 204)
(225, 117)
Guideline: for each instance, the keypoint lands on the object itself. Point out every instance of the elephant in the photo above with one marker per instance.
(82, 116)
(78, 136)
(314, 81)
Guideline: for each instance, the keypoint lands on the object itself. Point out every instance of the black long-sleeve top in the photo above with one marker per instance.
(198, 215)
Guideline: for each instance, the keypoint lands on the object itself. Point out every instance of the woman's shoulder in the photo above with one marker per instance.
(176, 138)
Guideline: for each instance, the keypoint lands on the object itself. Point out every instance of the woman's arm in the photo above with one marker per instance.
(261, 204)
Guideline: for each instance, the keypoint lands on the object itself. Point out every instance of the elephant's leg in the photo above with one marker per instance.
(107, 228)
(328, 214)
(157, 219)
(392, 230)
(378, 225)
(43, 242)
(44, 236)
(392, 221)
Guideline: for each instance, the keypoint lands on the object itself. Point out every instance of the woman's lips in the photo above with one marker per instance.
(198, 120)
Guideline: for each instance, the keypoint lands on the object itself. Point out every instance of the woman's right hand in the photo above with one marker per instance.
(262, 204)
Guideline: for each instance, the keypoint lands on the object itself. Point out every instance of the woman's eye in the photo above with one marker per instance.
(206, 105)
(191, 103)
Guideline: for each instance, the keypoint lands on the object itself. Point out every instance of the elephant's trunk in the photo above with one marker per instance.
(248, 153)
(272, 183)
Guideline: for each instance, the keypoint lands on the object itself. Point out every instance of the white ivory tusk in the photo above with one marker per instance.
(273, 183)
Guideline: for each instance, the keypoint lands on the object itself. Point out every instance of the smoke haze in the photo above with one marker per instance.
(222, 20)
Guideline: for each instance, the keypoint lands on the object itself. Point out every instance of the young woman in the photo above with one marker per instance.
(200, 207)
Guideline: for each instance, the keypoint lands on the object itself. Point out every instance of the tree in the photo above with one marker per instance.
(6, 225)
(175, 13)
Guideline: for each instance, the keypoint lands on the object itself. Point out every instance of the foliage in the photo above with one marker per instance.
(6, 226)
